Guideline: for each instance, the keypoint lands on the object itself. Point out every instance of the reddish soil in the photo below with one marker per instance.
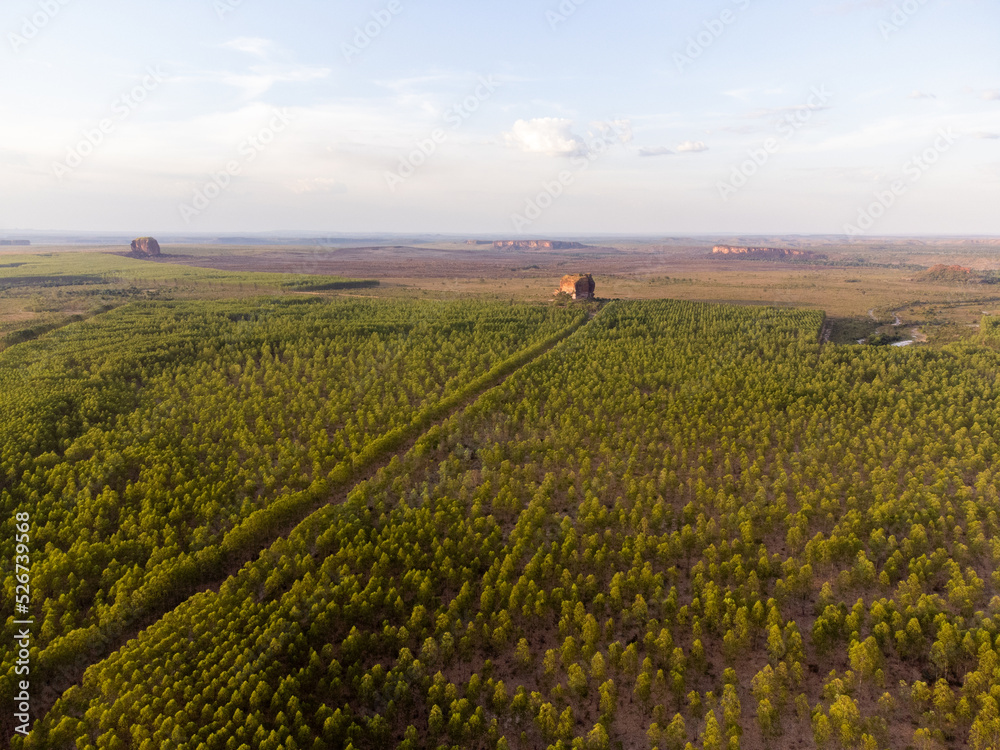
(395, 262)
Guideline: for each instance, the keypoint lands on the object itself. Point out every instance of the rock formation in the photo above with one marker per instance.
(765, 253)
(577, 286)
(145, 247)
(536, 245)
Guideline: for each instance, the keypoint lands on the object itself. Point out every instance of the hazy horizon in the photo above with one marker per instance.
(290, 237)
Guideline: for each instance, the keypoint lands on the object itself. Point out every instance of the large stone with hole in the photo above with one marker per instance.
(146, 247)
(579, 286)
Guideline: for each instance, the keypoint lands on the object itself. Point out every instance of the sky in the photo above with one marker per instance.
(529, 118)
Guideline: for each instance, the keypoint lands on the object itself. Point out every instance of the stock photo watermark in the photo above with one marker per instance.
(24, 623)
(224, 7)
(456, 116)
(553, 189)
(566, 10)
(365, 35)
(913, 171)
(220, 180)
(32, 25)
(901, 15)
(713, 30)
(787, 126)
(121, 109)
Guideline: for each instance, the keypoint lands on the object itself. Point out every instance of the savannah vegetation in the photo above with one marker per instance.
(43, 291)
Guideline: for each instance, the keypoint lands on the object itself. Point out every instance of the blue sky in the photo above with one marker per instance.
(514, 117)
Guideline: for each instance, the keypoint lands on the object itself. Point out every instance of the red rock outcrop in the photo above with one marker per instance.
(536, 245)
(146, 247)
(578, 287)
(767, 253)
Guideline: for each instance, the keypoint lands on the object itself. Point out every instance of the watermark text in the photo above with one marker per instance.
(23, 623)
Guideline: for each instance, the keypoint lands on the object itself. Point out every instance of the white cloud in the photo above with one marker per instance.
(614, 130)
(261, 78)
(317, 185)
(743, 94)
(889, 131)
(745, 129)
(251, 45)
(779, 111)
(993, 95)
(852, 5)
(421, 83)
(655, 151)
(986, 136)
(692, 147)
(921, 95)
(551, 136)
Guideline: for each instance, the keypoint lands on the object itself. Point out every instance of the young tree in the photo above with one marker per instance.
(675, 735)
(768, 720)
(712, 738)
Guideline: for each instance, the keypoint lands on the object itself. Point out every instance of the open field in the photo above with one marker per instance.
(855, 283)
(48, 288)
